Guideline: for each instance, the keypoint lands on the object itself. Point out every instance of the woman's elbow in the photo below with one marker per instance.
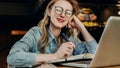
(10, 60)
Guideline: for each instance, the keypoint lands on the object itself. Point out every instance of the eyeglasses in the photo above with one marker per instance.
(59, 10)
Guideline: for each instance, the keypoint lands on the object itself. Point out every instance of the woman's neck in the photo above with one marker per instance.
(55, 31)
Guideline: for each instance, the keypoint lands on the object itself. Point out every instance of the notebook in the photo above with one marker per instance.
(82, 57)
(82, 60)
(108, 51)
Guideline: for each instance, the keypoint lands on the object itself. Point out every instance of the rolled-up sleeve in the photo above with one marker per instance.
(84, 47)
(20, 52)
(91, 46)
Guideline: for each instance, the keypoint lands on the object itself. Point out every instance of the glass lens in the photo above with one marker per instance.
(58, 10)
(68, 13)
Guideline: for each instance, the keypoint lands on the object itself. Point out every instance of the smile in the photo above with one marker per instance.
(60, 20)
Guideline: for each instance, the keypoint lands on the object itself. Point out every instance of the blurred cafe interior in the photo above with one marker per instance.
(18, 16)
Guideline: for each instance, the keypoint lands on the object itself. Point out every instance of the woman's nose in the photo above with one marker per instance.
(63, 15)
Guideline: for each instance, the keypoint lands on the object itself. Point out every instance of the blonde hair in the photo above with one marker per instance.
(44, 24)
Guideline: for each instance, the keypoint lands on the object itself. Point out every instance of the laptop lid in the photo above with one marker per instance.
(108, 51)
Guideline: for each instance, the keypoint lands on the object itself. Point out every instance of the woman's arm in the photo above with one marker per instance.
(41, 58)
(90, 42)
(87, 36)
(76, 23)
(84, 47)
(23, 52)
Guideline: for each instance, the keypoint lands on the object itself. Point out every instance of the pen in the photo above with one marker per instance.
(64, 36)
(67, 40)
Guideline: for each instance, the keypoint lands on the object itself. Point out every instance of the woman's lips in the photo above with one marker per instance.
(60, 20)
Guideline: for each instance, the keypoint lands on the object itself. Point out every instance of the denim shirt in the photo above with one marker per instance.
(23, 52)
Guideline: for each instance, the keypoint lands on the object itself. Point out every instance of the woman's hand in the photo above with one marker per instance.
(65, 50)
(74, 22)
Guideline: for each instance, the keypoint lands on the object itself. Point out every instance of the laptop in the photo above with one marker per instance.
(108, 51)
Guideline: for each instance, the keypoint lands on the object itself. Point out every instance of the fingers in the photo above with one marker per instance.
(69, 46)
(71, 23)
(67, 53)
(74, 22)
(65, 50)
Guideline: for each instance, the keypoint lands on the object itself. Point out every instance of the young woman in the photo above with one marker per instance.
(45, 42)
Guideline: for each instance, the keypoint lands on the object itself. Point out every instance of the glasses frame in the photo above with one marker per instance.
(67, 12)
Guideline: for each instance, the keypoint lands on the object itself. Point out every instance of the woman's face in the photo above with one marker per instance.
(60, 13)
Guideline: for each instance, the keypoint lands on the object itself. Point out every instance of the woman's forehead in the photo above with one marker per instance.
(63, 3)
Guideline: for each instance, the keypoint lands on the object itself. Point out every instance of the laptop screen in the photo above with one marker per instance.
(107, 53)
